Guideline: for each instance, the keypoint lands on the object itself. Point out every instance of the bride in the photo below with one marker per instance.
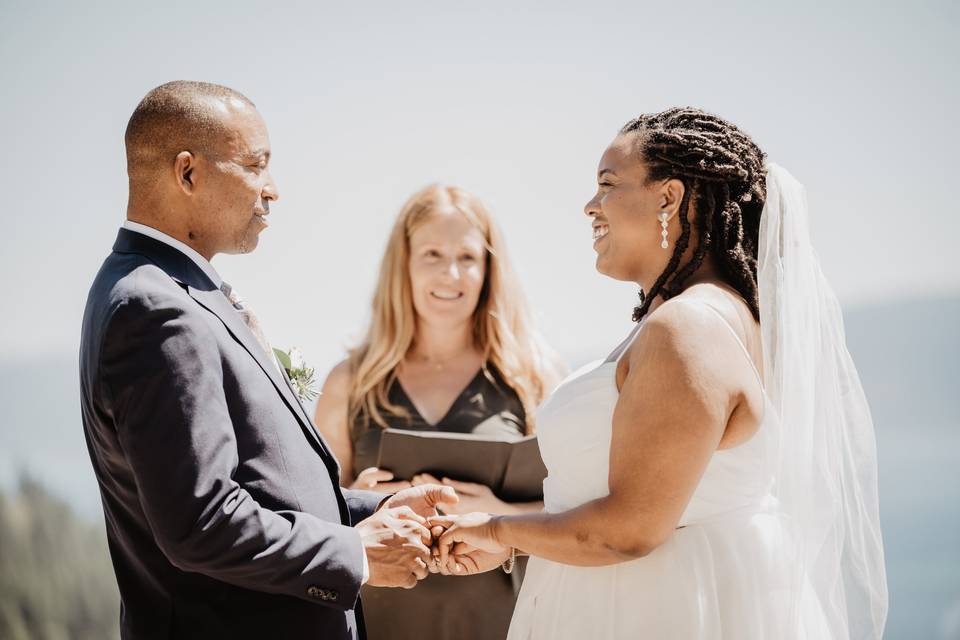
(715, 475)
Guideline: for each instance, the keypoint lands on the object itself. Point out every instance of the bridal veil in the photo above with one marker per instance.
(825, 458)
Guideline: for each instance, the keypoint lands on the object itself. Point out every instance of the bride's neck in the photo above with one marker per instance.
(706, 273)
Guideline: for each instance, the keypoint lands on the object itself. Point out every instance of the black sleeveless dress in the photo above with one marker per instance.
(445, 607)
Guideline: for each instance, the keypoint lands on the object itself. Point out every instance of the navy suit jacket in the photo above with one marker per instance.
(223, 506)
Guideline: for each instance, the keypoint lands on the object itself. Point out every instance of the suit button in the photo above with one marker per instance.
(333, 595)
(315, 592)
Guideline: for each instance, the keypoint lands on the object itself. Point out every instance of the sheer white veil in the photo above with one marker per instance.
(826, 462)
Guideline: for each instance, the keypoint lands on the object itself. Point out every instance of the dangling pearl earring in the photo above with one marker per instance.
(663, 230)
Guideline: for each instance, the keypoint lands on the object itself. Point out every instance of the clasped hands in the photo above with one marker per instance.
(407, 539)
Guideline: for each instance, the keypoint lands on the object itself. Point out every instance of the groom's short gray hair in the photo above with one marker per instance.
(174, 117)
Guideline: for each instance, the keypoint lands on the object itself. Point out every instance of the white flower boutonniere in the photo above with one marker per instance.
(302, 377)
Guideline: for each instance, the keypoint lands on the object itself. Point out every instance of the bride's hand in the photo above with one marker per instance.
(468, 543)
(465, 560)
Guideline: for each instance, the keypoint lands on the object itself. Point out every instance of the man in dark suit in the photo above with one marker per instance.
(224, 513)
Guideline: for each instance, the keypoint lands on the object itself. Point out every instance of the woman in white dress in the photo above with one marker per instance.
(714, 476)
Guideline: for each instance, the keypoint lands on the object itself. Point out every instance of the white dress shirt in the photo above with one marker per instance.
(211, 273)
(185, 249)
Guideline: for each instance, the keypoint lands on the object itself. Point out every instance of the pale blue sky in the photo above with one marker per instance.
(368, 102)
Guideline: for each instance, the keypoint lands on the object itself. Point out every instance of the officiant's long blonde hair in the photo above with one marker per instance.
(502, 328)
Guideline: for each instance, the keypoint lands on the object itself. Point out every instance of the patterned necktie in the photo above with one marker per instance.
(250, 320)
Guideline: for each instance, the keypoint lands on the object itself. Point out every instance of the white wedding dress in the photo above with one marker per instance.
(780, 539)
(716, 577)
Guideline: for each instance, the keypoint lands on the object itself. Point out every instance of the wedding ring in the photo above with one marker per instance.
(508, 564)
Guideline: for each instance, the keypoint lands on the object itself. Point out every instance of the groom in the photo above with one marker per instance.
(224, 513)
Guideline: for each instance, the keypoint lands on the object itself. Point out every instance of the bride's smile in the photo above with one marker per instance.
(600, 231)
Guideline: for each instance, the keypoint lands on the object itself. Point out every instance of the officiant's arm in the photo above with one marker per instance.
(683, 385)
(333, 423)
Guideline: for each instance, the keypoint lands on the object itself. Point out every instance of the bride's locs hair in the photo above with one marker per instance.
(722, 170)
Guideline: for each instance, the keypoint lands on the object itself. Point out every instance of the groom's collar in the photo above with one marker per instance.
(183, 248)
(175, 263)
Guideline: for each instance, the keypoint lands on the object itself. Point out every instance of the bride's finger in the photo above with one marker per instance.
(435, 532)
(468, 563)
(453, 566)
(445, 542)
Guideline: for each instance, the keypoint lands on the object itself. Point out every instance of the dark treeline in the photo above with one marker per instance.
(56, 581)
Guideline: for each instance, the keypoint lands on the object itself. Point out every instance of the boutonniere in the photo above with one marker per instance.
(302, 377)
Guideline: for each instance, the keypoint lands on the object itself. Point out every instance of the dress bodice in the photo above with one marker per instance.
(574, 430)
(487, 406)
(711, 580)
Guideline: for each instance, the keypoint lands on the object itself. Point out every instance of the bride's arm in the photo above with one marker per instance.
(683, 385)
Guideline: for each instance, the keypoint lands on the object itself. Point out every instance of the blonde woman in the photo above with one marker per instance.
(449, 348)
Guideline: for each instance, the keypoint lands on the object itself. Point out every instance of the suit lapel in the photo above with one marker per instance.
(307, 421)
(185, 271)
(216, 303)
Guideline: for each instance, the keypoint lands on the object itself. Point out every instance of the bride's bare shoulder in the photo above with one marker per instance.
(689, 328)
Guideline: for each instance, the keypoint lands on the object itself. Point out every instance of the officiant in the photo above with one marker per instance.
(450, 348)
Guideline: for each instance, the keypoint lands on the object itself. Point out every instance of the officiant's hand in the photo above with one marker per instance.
(374, 479)
(424, 499)
(473, 497)
(398, 547)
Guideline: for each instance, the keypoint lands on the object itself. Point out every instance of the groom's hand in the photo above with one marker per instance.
(423, 499)
(397, 543)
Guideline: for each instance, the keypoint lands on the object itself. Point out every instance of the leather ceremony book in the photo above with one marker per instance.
(514, 470)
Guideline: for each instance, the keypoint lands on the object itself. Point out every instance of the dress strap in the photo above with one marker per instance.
(621, 348)
(732, 331)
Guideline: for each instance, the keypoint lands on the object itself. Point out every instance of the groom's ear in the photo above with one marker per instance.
(183, 171)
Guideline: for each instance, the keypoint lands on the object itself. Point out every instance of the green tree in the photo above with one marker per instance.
(56, 581)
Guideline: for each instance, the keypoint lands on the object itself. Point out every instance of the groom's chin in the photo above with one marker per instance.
(247, 245)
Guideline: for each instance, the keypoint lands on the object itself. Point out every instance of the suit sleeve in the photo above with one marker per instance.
(162, 369)
(362, 504)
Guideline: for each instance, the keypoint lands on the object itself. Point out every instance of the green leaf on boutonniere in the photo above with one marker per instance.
(283, 358)
(302, 377)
